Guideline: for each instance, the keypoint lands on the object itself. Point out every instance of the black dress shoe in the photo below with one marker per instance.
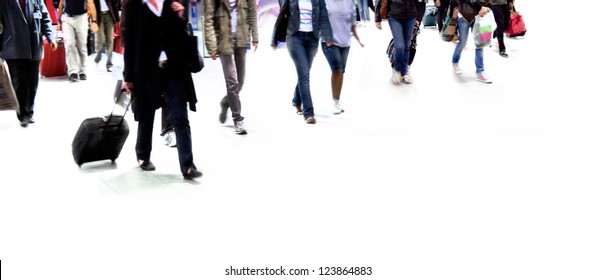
(73, 78)
(147, 165)
(192, 173)
(24, 123)
(503, 54)
(30, 120)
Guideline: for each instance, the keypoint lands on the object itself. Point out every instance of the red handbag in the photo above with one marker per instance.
(516, 25)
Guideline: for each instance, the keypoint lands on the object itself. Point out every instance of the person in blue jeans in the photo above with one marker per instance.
(401, 17)
(342, 17)
(307, 21)
(467, 11)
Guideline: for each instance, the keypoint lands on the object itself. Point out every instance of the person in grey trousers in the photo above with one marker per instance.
(230, 27)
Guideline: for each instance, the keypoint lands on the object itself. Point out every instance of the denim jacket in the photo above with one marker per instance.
(320, 22)
(22, 36)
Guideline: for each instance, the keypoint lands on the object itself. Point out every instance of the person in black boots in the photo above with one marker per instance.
(501, 11)
(21, 45)
(157, 72)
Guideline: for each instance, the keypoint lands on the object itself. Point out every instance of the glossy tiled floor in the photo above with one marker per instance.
(446, 178)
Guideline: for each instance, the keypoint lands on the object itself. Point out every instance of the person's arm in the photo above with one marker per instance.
(128, 24)
(93, 13)
(326, 31)
(377, 16)
(354, 31)
(209, 28)
(421, 10)
(60, 10)
(253, 22)
(46, 26)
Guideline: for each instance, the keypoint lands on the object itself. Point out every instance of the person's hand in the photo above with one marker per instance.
(360, 43)
(177, 7)
(54, 46)
(59, 26)
(127, 87)
(484, 11)
(214, 55)
(94, 27)
(329, 43)
(379, 25)
(255, 45)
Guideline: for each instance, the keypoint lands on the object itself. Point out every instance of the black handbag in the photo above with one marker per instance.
(195, 60)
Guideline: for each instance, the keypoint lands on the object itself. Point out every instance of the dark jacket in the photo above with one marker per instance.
(22, 35)
(146, 36)
(399, 9)
(114, 9)
(468, 8)
(320, 23)
(420, 6)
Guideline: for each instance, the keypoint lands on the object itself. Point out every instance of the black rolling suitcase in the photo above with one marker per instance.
(100, 138)
(431, 17)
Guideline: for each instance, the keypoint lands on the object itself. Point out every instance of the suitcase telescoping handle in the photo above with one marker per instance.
(109, 118)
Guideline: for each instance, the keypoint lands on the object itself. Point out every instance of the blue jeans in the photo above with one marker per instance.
(364, 14)
(336, 56)
(302, 48)
(402, 30)
(463, 28)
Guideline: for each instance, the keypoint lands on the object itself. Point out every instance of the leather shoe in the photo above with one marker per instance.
(146, 165)
(192, 173)
(24, 123)
(298, 110)
(503, 54)
(311, 120)
(30, 120)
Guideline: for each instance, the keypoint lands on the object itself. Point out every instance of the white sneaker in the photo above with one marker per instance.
(483, 78)
(338, 109)
(238, 128)
(407, 79)
(456, 69)
(169, 138)
(396, 77)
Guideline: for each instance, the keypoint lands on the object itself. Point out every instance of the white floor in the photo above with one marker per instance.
(446, 178)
